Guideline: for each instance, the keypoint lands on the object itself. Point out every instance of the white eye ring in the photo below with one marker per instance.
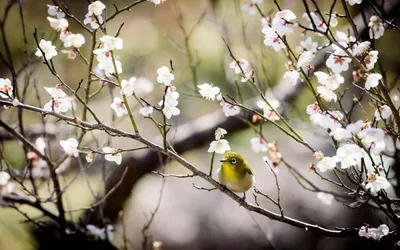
(233, 160)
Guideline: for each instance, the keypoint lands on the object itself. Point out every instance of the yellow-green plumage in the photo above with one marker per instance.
(235, 173)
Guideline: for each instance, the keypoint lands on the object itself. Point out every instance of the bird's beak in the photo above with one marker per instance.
(224, 160)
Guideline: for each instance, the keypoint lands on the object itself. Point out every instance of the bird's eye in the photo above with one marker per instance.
(233, 161)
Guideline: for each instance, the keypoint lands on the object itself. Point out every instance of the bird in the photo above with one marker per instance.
(235, 173)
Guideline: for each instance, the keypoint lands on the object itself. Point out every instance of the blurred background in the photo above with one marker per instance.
(188, 218)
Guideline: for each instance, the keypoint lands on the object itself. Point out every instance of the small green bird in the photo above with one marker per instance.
(235, 173)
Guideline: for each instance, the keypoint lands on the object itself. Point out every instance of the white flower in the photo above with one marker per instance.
(332, 82)
(219, 146)
(119, 107)
(280, 22)
(324, 120)
(112, 154)
(93, 20)
(55, 92)
(291, 76)
(334, 21)
(240, 63)
(60, 105)
(376, 183)
(230, 110)
(48, 49)
(352, 2)
(156, 2)
(326, 164)
(111, 43)
(105, 62)
(372, 80)
(103, 233)
(4, 178)
(361, 48)
(146, 110)
(89, 157)
(338, 61)
(349, 155)
(325, 198)
(170, 111)
(272, 39)
(170, 103)
(55, 11)
(164, 76)
(355, 127)
(376, 28)
(305, 59)
(70, 146)
(58, 23)
(208, 91)
(219, 133)
(75, 40)
(128, 87)
(258, 144)
(370, 59)
(313, 109)
(320, 25)
(269, 113)
(326, 94)
(249, 7)
(143, 86)
(309, 45)
(342, 37)
(373, 139)
(96, 8)
(341, 134)
(6, 88)
(383, 111)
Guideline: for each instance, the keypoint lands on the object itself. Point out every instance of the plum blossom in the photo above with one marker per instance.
(55, 11)
(372, 80)
(70, 146)
(55, 92)
(309, 45)
(332, 82)
(280, 22)
(373, 139)
(305, 59)
(170, 103)
(230, 110)
(326, 94)
(106, 62)
(376, 183)
(356, 127)
(338, 61)
(75, 40)
(157, 2)
(6, 187)
(128, 86)
(143, 86)
(313, 109)
(6, 88)
(119, 107)
(291, 76)
(112, 154)
(326, 164)
(349, 155)
(208, 91)
(250, 6)
(103, 233)
(60, 105)
(341, 134)
(164, 76)
(258, 144)
(383, 111)
(89, 157)
(269, 112)
(272, 39)
(319, 24)
(361, 48)
(48, 49)
(93, 20)
(146, 111)
(112, 43)
(219, 133)
(374, 233)
(370, 59)
(376, 28)
(344, 38)
(240, 63)
(325, 198)
(96, 8)
(58, 23)
(219, 146)
(4, 178)
(352, 2)
(324, 120)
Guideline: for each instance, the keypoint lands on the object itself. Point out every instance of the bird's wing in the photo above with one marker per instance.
(248, 169)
